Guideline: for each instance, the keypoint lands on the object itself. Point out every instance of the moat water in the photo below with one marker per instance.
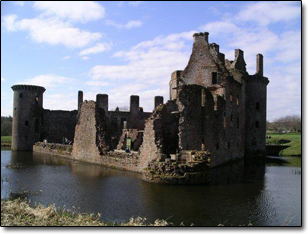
(268, 195)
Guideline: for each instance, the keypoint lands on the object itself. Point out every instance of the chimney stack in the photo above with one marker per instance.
(260, 65)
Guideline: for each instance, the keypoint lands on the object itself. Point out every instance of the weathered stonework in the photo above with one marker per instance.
(216, 115)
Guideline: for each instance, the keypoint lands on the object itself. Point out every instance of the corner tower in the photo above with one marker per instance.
(27, 116)
(256, 100)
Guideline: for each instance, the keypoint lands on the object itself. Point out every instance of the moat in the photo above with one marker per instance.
(266, 196)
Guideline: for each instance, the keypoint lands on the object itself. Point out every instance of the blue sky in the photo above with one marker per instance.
(125, 48)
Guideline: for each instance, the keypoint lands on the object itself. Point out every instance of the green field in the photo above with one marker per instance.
(6, 139)
(295, 143)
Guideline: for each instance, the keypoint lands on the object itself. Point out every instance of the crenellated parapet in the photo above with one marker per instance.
(29, 88)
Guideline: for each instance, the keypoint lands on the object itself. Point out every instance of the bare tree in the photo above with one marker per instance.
(290, 123)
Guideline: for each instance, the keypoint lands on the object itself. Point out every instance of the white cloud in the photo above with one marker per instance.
(77, 11)
(51, 31)
(147, 70)
(135, 3)
(66, 57)
(267, 12)
(9, 22)
(19, 3)
(2, 79)
(85, 58)
(289, 47)
(129, 25)
(97, 83)
(47, 81)
(98, 48)
(60, 101)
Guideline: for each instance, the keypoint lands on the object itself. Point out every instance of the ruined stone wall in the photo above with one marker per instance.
(58, 124)
(134, 121)
(151, 147)
(160, 134)
(213, 121)
(136, 137)
(85, 142)
(195, 117)
(202, 64)
(54, 149)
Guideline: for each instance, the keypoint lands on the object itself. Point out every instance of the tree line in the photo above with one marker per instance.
(6, 126)
(290, 123)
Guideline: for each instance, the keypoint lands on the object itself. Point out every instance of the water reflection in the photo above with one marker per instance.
(240, 192)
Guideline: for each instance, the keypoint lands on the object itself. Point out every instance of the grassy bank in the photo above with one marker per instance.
(21, 213)
(6, 140)
(295, 143)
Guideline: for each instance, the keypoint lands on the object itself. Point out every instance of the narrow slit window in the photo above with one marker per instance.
(26, 123)
(203, 97)
(229, 145)
(214, 78)
(217, 146)
(237, 100)
(257, 124)
(257, 106)
(231, 97)
(20, 95)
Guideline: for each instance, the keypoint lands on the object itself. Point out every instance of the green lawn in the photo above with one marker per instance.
(6, 139)
(295, 144)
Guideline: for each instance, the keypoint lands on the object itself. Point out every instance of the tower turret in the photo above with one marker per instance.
(27, 116)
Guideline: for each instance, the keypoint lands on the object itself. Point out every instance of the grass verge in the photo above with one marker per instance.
(295, 143)
(6, 140)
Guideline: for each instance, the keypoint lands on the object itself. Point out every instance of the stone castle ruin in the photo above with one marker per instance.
(216, 115)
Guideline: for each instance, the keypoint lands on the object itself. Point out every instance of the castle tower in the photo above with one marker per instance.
(27, 114)
(158, 100)
(134, 104)
(102, 102)
(256, 95)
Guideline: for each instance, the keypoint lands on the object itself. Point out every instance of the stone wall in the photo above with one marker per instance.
(85, 141)
(58, 124)
(136, 137)
(27, 112)
(114, 159)
(54, 149)
(160, 134)
(256, 95)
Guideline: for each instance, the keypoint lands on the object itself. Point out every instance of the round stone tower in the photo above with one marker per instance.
(27, 116)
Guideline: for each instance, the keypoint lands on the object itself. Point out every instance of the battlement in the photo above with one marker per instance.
(31, 88)
(201, 36)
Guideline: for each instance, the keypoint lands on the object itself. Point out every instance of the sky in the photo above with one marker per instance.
(131, 48)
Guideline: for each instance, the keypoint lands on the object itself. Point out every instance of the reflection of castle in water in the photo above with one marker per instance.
(235, 172)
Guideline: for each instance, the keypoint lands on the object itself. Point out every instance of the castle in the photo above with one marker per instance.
(216, 114)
